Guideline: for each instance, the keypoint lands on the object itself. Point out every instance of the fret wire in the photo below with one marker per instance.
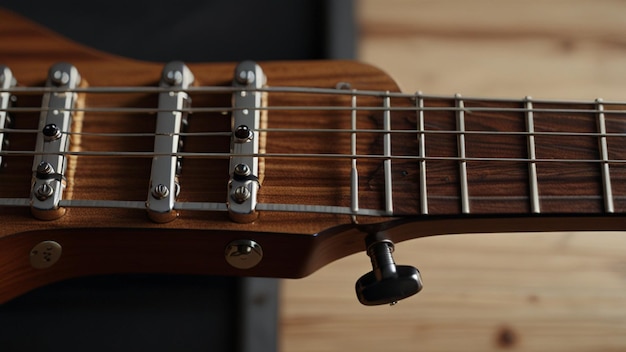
(387, 161)
(460, 125)
(354, 174)
(208, 155)
(535, 205)
(419, 102)
(604, 154)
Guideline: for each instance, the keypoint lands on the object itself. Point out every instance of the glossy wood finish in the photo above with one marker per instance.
(30, 50)
(99, 241)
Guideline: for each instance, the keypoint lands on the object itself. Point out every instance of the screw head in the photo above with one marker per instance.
(160, 191)
(45, 168)
(242, 170)
(246, 77)
(241, 194)
(243, 134)
(60, 78)
(51, 132)
(44, 191)
(243, 254)
(174, 77)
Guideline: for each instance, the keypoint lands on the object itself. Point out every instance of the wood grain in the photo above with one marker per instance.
(540, 292)
(31, 50)
(297, 169)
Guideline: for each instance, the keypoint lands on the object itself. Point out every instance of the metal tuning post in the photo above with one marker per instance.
(245, 142)
(7, 81)
(387, 283)
(171, 118)
(53, 141)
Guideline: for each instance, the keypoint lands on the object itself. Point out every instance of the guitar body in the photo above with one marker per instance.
(315, 209)
(104, 241)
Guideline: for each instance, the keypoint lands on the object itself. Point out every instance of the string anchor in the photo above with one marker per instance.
(387, 283)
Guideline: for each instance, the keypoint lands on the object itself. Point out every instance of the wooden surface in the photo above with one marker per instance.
(524, 292)
(284, 236)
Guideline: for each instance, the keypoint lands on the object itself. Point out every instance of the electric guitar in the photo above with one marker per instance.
(273, 169)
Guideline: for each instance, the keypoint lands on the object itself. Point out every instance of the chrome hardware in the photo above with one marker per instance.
(245, 142)
(173, 77)
(167, 142)
(243, 254)
(44, 169)
(245, 76)
(243, 134)
(241, 194)
(59, 77)
(44, 191)
(53, 142)
(604, 154)
(461, 151)
(51, 132)
(6, 82)
(242, 170)
(45, 254)
(535, 203)
(160, 191)
(387, 283)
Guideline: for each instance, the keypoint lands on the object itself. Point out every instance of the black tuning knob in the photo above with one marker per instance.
(387, 283)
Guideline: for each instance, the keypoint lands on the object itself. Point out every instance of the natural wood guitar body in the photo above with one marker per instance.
(103, 240)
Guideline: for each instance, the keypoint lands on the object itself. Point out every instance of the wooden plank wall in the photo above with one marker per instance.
(524, 292)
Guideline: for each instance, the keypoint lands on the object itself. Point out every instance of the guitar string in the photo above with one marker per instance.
(281, 89)
(290, 207)
(331, 131)
(277, 207)
(226, 110)
(315, 108)
(209, 155)
(294, 108)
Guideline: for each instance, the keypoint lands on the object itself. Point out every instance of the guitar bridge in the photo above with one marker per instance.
(246, 168)
(171, 118)
(55, 123)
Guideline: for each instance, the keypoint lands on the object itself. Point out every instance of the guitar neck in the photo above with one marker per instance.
(480, 156)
